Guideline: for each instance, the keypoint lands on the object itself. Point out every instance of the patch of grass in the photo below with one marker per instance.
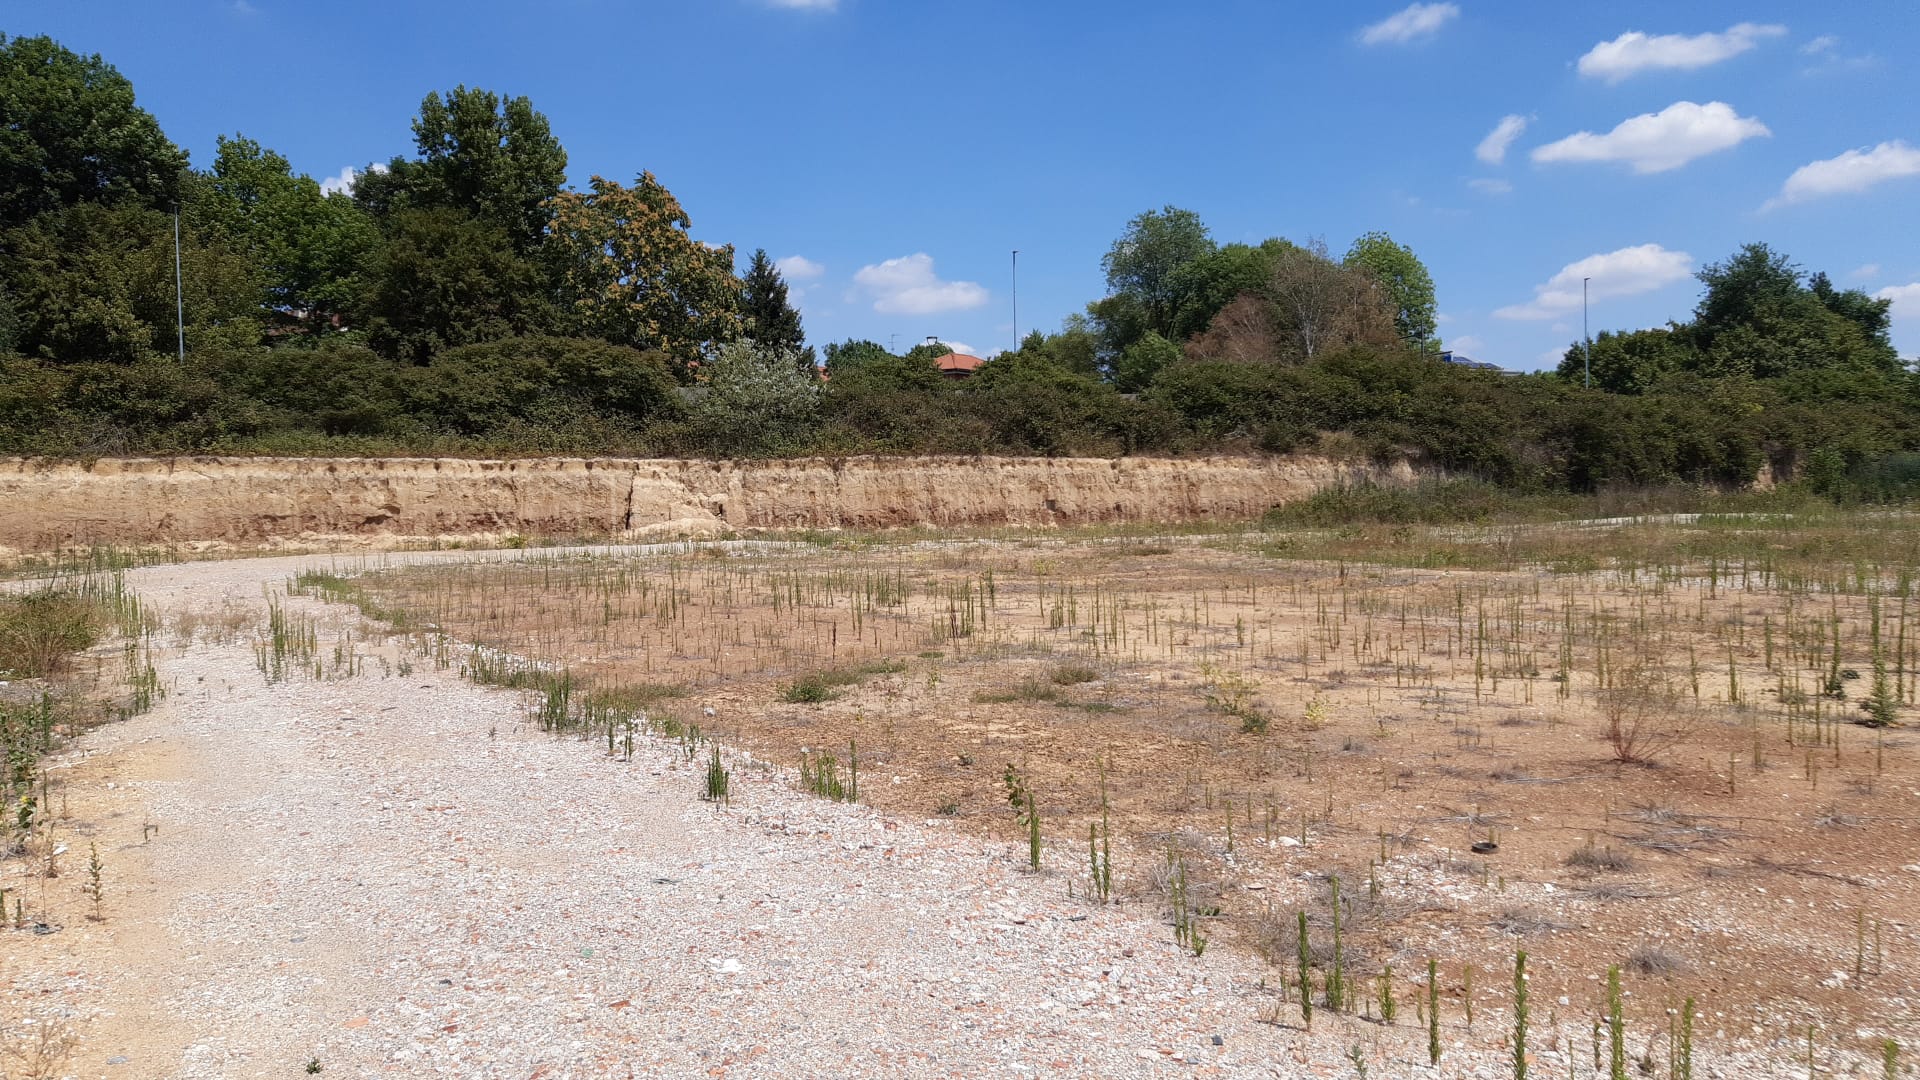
(1072, 674)
(1028, 689)
(40, 631)
(1600, 859)
(630, 698)
(1654, 960)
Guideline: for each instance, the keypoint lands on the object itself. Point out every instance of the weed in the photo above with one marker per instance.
(820, 774)
(1072, 674)
(40, 631)
(1653, 960)
(1520, 1015)
(718, 781)
(95, 888)
(1616, 1028)
(1593, 858)
(1433, 1011)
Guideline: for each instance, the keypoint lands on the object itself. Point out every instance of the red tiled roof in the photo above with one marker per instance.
(958, 364)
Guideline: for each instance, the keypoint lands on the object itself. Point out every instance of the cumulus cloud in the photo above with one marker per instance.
(1493, 148)
(342, 181)
(1657, 142)
(1490, 186)
(1864, 272)
(799, 268)
(1820, 46)
(1906, 300)
(1626, 272)
(1850, 173)
(1416, 22)
(1634, 52)
(909, 286)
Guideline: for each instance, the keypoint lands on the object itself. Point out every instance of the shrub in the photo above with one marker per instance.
(39, 631)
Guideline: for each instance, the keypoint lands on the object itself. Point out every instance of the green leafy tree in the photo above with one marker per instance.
(631, 272)
(1143, 269)
(1320, 305)
(766, 314)
(846, 357)
(481, 389)
(443, 278)
(1208, 284)
(1628, 362)
(71, 133)
(95, 283)
(492, 156)
(756, 400)
(1755, 279)
(1143, 360)
(310, 246)
(1409, 286)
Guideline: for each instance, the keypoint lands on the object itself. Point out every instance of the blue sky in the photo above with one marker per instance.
(896, 152)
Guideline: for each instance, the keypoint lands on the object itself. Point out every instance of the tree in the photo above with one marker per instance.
(1628, 362)
(309, 245)
(1208, 284)
(757, 400)
(1737, 290)
(1321, 305)
(70, 133)
(444, 278)
(1143, 273)
(494, 157)
(632, 274)
(1244, 332)
(95, 283)
(848, 356)
(766, 315)
(1405, 277)
(1142, 361)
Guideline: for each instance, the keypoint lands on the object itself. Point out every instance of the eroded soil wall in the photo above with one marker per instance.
(271, 500)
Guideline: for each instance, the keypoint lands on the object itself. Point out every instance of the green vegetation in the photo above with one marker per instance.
(462, 300)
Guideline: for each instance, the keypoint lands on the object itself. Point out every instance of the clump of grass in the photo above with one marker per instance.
(820, 774)
(1651, 959)
(1072, 674)
(719, 781)
(1028, 689)
(1590, 857)
(817, 687)
(40, 631)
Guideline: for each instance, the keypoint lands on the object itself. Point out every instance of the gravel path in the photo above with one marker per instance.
(397, 876)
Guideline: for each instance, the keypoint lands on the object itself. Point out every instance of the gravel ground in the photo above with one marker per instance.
(397, 876)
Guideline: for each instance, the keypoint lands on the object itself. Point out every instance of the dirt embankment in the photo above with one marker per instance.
(268, 500)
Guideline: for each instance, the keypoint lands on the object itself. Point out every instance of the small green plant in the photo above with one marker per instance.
(820, 774)
(1336, 975)
(1100, 847)
(811, 689)
(1389, 1008)
(94, 888)
(1033, 834)
(1433, 1012)
(1683, 1053)
(1186, 930)
(719, 780)
(314, 1066)
(1520, 1015)
(1358, 1058)
(1306, 972)
(1889, 1060)
(1616, 1028)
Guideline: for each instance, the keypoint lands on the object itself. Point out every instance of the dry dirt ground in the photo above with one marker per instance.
(396, 873)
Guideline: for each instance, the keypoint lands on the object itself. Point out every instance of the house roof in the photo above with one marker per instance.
(956, 363)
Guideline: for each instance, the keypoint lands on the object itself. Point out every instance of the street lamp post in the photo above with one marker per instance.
(1585, 337)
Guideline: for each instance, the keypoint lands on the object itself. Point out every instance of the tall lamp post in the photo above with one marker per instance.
(1585, 337)
(1016, 298)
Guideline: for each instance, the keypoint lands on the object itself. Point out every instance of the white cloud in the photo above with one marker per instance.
(799, 268)
(1852, 172)
(1416, 22)
(1906, 300)
(908, 286)
(1466, 343)
(342, 182)
(1626, 272)
(961, 347)
(1493, 148)
(1634, 52)
(1486, 186)
(1657, 142)
(1864, 272)
(1820, 46)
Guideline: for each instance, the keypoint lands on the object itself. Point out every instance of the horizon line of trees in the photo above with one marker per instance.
(462, 299)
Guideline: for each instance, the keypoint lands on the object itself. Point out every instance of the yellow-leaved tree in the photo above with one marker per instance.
(632, 274)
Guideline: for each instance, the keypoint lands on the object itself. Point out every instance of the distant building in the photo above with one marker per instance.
(1448, 356)
(956, 365)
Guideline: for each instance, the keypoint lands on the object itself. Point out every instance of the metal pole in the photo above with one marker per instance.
(1016, 298)
(179, 295)
(1586, 337)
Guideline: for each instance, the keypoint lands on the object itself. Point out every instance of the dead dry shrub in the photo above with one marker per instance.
(36, 1049)
(1643, 717)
